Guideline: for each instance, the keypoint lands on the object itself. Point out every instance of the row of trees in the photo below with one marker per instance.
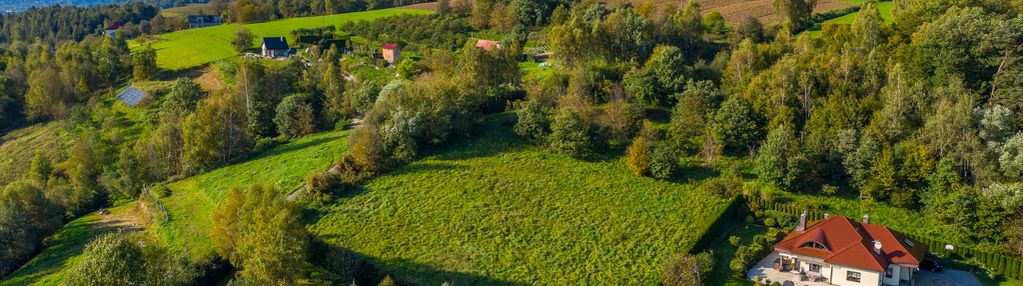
(56, 24)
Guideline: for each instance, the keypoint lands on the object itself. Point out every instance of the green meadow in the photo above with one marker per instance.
(885, 7)
(284, 166)
(493, 210)
(63, 250)
(191, 48)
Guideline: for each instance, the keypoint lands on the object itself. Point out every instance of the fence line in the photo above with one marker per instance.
(145, 189)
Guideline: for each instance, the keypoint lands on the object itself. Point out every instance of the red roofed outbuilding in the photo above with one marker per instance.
(488, 45)
(391, 53)
(846, 252)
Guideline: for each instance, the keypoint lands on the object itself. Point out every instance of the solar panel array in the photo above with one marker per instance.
(131, 96)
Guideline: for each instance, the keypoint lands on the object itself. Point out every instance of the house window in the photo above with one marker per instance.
(888, 273)
(852, 276)
(815, 268)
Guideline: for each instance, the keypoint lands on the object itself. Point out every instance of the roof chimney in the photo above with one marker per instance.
(826, 215)
(802, 222)
(866, 218)
(877, 247)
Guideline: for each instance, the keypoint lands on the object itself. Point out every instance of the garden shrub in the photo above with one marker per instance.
(322, 185)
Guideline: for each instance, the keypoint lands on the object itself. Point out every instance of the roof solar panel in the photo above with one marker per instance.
(131, 96)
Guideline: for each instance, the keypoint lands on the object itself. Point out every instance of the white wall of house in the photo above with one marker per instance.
(895, 272)
(840, 276)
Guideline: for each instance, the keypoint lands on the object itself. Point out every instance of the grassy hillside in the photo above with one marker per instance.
(19, 146)
(191, 48)
(285, 166)
(48, 267)
(493, 210)
(885, 7)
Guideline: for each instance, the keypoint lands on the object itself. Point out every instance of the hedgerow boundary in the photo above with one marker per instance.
(961, 256)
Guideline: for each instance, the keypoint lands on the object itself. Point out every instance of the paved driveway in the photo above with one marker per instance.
(949, 277)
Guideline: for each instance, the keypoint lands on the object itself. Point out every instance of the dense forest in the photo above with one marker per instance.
(921, 112)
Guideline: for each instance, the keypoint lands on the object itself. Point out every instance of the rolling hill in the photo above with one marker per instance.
(191, 48)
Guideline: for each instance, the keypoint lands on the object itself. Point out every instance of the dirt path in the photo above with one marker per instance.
(126, 219)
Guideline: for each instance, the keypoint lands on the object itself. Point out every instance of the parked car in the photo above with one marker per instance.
(931, 265)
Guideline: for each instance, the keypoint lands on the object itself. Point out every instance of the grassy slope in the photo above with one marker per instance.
(885, 7)
(48, 267)
(190, 48)
(19, 146)
(285, 166)
(493, 210)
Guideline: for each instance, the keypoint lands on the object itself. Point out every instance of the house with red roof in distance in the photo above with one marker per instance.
(111, 31)
(488, 45)
(839, 251)
(391, 53)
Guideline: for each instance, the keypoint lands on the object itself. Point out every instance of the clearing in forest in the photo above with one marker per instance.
(492, 210)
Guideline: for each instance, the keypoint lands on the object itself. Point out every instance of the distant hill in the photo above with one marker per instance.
(18, 6)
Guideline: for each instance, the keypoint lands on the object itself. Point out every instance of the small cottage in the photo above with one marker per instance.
(111, 31)
(275, 47)
(202, 21)
(392, 53)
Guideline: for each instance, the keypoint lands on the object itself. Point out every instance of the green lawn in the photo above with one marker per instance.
(493, 211)
(285, 166)
(63, 250)
(190, 48)
(885, 7)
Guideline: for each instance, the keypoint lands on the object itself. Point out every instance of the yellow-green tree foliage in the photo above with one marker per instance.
(261, 234)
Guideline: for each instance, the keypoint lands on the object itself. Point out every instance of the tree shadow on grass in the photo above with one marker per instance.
(693, 174)
(281, 149)
(491, 137)
(347, 265)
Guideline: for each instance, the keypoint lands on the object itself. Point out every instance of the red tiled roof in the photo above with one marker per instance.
(851, 244)
(390, 46)
(114, 26)
(488, 45)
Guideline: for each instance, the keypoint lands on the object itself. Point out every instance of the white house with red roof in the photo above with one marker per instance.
(839, 251)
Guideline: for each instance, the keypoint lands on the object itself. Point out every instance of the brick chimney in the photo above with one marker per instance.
(802, 222)
(866, 218)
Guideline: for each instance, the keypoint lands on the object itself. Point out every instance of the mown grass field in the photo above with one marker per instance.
(285, 166)
(885, 7)
(191, 48)
(64, 248)
(493, 210)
